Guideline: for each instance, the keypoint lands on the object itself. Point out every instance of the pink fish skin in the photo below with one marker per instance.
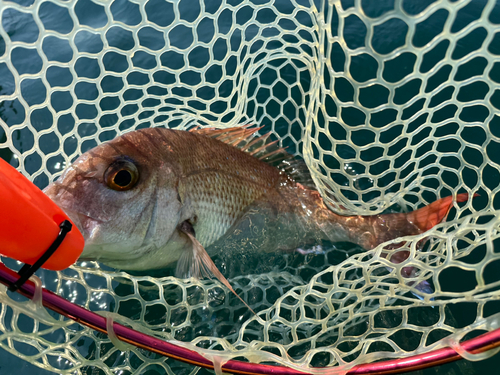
(152, 197)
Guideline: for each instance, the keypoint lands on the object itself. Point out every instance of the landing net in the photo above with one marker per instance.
(391, 105)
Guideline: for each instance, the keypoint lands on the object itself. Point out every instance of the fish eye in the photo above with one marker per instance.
(121, 175)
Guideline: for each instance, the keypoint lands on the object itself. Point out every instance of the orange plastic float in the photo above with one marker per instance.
(31, 224)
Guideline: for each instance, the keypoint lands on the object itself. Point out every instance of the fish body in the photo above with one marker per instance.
(156, 196)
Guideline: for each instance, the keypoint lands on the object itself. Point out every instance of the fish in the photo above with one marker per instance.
(154, 197)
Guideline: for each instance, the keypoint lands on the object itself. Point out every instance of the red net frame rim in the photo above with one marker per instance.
(90, 319)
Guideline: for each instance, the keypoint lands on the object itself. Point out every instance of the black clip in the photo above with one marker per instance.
(27, 271)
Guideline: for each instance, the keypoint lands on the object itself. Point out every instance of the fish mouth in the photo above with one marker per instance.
(84, 223)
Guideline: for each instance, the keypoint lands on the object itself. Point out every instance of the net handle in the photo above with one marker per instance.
(28, 270)
(97, 322)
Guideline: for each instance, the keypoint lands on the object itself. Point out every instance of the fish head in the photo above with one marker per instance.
(123, 198)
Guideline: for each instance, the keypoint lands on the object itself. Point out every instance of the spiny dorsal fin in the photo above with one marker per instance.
(245, 138)
(238, 136)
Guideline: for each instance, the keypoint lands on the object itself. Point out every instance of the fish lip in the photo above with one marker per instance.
(105, 258)
(79, 219)
(65, 201)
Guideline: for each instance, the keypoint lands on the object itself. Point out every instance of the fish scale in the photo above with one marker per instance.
(218, 202)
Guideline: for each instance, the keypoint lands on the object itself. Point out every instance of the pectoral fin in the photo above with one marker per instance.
(198, 264)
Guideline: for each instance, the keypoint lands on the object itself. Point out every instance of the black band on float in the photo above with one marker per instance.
(27, 270)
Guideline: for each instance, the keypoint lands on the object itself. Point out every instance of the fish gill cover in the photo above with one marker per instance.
(392, 105)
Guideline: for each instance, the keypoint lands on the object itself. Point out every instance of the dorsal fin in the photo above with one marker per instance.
(245, 138)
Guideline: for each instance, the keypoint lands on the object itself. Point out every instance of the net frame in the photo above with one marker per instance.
(472, 349)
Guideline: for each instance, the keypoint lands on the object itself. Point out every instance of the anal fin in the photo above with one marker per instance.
(198, 264)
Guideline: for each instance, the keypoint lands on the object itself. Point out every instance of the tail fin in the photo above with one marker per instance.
(427, 217)
(421, 221)
(370, 231)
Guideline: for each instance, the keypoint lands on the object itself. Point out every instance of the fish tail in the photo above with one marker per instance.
(370, 231)
(420, 221)
(427, 217)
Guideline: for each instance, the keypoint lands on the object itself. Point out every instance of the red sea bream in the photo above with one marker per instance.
(153, 197)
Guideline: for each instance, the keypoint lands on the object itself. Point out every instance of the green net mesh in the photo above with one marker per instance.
(392, 104)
